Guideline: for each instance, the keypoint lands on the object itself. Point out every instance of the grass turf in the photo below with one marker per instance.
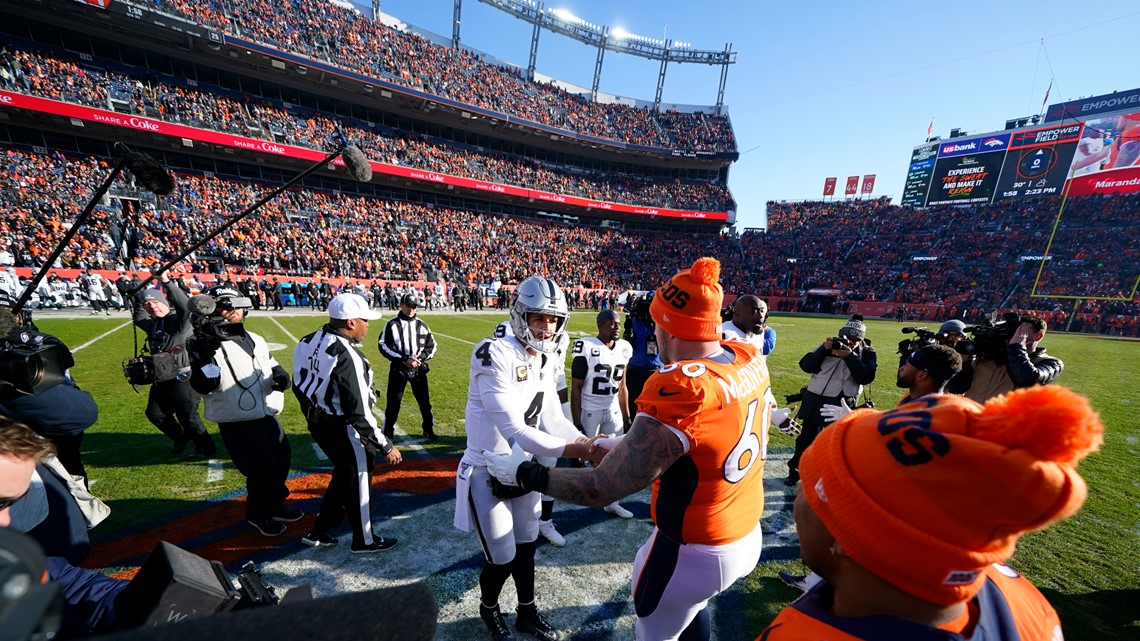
(1088, 566)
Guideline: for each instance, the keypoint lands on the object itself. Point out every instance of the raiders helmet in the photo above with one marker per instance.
(538, 295)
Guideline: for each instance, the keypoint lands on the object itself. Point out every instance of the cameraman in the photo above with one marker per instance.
(640, 332)
(60, 413)
(994, 371)
(242, 385)
(840, 367)
(172, 405)
(749, 324)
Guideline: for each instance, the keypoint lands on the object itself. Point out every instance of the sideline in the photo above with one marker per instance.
(100, 337)
(287, 332)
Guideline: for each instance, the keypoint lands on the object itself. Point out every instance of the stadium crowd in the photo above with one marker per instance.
(980, 258)
(343, 37)
(57, 78)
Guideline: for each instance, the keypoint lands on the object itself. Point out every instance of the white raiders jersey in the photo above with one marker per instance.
(504, 329)
(93, 283)
(602, 369)
(511, 397)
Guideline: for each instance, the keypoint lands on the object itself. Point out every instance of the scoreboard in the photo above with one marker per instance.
(967, 170)
(918, 175)
(1038, 161)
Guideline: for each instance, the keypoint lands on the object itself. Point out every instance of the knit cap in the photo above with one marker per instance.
(927, 495)
(855, 328)
(688, 306)
(154, 294)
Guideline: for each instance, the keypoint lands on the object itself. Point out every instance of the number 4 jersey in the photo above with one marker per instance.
(601, 368)
(714, 494)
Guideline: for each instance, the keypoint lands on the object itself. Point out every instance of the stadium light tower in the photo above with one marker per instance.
(602, 38)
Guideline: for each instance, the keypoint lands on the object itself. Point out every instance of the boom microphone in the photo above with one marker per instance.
(202, 304)
(149, 173)
(356, 163)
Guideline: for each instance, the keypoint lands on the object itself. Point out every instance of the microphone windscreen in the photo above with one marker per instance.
(404, 613)
(150, 173)
(356, 163)
(7, 321)
(202, 304)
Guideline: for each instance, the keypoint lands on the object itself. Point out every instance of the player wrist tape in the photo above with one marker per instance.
(533, 477)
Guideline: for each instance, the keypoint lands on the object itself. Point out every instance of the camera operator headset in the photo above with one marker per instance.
(840, 367)
(242, 387)
(639, 331)
(172, 405)
(1007, 358)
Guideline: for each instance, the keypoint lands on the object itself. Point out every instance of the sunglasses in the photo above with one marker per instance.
(6, 503)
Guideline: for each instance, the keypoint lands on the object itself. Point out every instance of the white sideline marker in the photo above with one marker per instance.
(287, 332)
(214, 472)
(100, 337)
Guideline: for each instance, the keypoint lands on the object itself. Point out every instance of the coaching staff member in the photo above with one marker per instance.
(407, 342)
(172, 405)
(332, 380)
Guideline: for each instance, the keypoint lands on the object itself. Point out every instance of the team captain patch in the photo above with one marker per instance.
(521, 373)
(596, 352)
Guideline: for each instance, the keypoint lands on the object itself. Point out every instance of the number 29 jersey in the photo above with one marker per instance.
(601, 368)
(714, 494)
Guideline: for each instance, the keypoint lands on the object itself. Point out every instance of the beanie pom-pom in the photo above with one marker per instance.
(857, 317)
(1051, 422)
(705, 271)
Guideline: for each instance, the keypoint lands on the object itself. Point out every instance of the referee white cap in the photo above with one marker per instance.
(347, 306)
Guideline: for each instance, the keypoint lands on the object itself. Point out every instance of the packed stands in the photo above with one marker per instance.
(343, 37)
(865, 250)
(58, 78)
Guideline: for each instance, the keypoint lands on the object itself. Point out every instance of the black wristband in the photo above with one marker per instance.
(533, 477)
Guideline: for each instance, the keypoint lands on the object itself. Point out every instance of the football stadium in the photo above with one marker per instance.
(234, 232)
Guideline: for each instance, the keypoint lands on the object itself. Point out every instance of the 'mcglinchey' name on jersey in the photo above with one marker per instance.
(601, 368)
(713, 495)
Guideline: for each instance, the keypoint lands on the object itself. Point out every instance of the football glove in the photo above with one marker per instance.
(832, 413)
(782, 419)
(505, 467)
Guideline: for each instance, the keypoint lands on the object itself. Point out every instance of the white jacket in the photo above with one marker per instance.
(245, 392)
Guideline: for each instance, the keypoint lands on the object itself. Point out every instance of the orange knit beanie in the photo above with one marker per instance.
(688, 306)
(927, 495)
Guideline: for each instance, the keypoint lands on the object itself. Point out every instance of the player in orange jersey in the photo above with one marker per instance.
(893, 513)
(700, 438)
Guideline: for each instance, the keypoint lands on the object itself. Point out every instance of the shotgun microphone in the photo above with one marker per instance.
(149, 173)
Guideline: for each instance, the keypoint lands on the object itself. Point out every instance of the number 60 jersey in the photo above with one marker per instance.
(720, 408)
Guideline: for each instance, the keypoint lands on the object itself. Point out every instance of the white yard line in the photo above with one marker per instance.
(214, 471)
(100, 337)
(453, 338)
(287, 332)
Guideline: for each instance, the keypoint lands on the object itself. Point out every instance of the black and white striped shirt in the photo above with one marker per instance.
(404, 337)
(331, 373)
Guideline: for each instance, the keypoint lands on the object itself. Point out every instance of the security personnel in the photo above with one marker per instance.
(172, 405)
(408, 344)
(332, 380)
(242, 386)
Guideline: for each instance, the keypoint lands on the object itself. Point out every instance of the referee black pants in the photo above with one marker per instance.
(349, 491)
(262, 454)
(395, 398)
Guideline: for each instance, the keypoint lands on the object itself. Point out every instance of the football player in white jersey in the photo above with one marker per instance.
(598, 400)
(546, 521)
(512, 401)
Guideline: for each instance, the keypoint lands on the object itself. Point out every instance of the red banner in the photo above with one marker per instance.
(102, 4)
(1110, 181)
(32, 103)
(829, 186)
(852, 186)
(868, 183)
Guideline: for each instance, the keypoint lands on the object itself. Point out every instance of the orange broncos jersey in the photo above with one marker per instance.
(712, 495)
(1007, 608)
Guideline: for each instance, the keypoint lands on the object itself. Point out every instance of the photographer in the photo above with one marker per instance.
(1004, 364)
(172, 405)
(748, 323)
(60, 413)
(408, 344)
(640, 332)
(840, 367)
(242, 386)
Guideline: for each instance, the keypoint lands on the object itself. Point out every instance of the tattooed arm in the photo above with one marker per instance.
(637, 460)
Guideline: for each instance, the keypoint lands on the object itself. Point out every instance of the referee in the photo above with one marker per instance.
(408, 344)
(333, 384)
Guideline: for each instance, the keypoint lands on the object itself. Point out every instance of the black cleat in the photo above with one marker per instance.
(794, 581)
(317, 539)
(380, 544)
(496, 625)
(268, 527)
(535, 624)
(288, 516)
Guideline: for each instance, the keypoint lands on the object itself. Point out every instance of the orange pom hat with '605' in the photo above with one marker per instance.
(688, 306)
(927, 495)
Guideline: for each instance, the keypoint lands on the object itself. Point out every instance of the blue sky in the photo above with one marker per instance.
(834, 88)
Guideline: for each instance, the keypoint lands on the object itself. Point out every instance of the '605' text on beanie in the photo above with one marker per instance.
(688, 306)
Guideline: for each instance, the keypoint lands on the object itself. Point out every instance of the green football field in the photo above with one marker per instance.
(1088, 566)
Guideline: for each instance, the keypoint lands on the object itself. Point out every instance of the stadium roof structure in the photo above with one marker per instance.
(604, 38)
